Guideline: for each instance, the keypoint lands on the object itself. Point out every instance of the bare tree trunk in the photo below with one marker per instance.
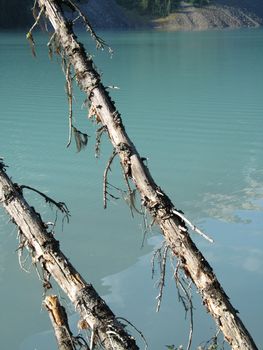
(45, 252)
(153, 198)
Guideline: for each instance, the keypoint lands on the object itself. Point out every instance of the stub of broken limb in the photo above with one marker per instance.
(59, 320)
(192, 226)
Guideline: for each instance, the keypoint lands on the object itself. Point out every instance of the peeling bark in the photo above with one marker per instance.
(156, 201)
(45, 252)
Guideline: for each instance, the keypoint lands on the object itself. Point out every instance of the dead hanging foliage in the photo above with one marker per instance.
(214, 343)
(129, 195)
(81, 138)
(23, 243)
(27, 259)
(100, 43)
(184, 287)
(183, 284)
(61, 206)
(53, 46)
(31, 41)
(99, 134)
(70, 98)
(106, 192)
(37, 18)
(160, 255)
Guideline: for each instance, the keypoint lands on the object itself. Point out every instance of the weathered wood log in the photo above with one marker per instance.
(45, 251)
(59, 320)
(153, 198)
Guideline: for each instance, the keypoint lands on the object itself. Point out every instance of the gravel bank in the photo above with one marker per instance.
(220, 14)
(106, 14)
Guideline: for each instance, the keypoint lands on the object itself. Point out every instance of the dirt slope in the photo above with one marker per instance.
(220, 14)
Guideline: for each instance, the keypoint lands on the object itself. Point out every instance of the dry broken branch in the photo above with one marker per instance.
(29, 35)
(45, 252)
(61, 206)
(59, 320)
(193, 227)
(100, 43)
(157, 203)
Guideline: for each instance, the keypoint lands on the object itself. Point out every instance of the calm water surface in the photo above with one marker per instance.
(193, 105)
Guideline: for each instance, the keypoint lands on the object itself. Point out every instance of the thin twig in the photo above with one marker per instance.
(100, 43)
(130, 195)
(137, 330)
(69, 94)
(161, 255)
(146, 226)
(157, 255)
(193, 227)
(37, 19)
(59, 205)
(187, 307)
(20, 250)
(212, 343)
(99, 134)
(189, 298)
(34, 12)
(162, 277)
(105, 178)
(50, 45)
(29, 35)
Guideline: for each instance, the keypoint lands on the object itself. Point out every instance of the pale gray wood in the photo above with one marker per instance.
(158, 204)
(45, 251)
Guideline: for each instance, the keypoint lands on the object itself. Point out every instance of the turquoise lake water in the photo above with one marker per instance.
(192, 102)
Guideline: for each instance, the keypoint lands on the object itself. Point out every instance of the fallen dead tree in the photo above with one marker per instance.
(171, 221)
(46, 254)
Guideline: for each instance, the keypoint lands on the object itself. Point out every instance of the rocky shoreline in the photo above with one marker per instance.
(217, 15)
(106, 14)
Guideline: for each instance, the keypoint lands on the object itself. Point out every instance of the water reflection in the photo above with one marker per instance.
(231, 206)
